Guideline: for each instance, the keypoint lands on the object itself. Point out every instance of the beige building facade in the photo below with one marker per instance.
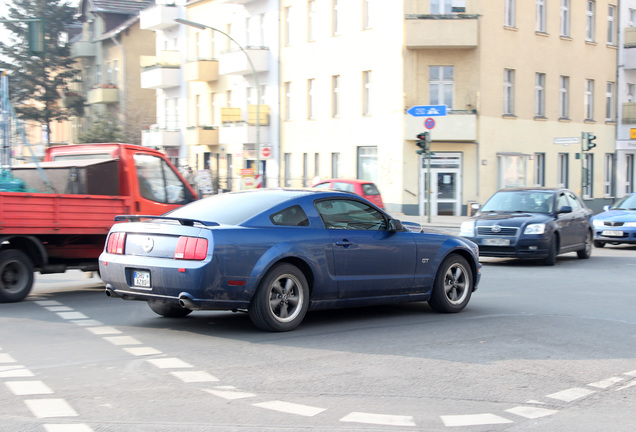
(521, 81)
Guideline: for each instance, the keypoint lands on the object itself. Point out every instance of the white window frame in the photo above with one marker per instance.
(588, 190)
(539, 169)
(335, 18)
(609, 175)
(539, 94)
(509, 92)
(335, 96)
(368, 14)
(367, 84)
(563, 168)
(611, 25)
(441, 85)
(631, 92)
(288, 25)
(541, 16)
(564, 97)
(610, 109)
(588, 99)
(311, 100)
(311, 20)
(629, 173)
(565, 18)
(441, 7)
(509, 13)
(288, 100)
(335, 165)
(590, 18)
(512, 170)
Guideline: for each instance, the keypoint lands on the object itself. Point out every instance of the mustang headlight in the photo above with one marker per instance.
(467, 229)
(597, 223)
(630, 224)
(534, 229)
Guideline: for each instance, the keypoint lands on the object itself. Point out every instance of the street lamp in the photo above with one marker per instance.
(254, 76)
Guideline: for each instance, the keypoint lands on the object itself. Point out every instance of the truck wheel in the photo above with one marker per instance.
(16, 276)
(168, 309)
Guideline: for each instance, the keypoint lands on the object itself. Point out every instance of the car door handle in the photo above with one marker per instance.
(344, 243)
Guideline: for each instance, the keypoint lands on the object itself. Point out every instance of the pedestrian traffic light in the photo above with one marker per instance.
(423, 142)
(588, 141)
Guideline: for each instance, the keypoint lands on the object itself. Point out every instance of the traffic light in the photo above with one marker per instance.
(588, 141)
(423, 142)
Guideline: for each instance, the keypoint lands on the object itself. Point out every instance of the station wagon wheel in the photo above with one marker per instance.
(16, 276)
(168, 309)
(586, 252)
(281, 300)
(453, 285)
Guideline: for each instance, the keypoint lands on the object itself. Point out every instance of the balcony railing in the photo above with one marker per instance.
(630, 37)
(236, 63)
(161, 138)
(201, 70)
(629, 113)
(442, 31)
(103, 94)
(202, 135)
(158, 17)
(83, 48)
(161, 71)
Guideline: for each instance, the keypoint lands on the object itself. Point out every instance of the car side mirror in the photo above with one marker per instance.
(565, 209)
(395, 225)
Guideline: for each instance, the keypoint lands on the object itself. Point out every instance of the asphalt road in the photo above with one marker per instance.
(538, 349)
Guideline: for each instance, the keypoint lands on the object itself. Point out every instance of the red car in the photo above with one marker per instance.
(366, 189)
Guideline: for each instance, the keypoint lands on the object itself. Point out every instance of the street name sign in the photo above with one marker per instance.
(566, 140)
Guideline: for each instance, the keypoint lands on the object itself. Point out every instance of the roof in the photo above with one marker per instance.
(129, 7)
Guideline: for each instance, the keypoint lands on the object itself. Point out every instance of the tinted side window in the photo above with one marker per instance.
(323, 185)
(562, 202)
(347, 187)
(350, 215)
(157, 181)
(370, 189)
(291, 216)
(574, 202)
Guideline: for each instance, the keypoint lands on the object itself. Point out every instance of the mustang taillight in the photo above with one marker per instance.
(116, 243)
(191, 248)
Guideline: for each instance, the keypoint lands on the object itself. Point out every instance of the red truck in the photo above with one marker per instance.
(63, 219)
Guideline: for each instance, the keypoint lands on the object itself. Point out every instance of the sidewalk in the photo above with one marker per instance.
(446, 223)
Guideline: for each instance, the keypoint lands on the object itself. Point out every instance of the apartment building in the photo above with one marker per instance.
(107, 51)
(521, 82)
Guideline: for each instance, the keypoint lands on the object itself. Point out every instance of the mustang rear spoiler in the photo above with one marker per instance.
(182, 221)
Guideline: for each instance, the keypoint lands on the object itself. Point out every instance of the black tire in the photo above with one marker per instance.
(167, 308)
(599, 244)
(281, 300)
(453, 286)
(586, 252)
(550, 260)
(16, 276)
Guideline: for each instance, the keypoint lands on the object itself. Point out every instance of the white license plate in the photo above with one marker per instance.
(141, 279)
(612, 233)
(496, 242)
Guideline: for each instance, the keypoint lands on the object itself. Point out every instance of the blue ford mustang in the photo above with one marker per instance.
(280, 252)
(617, 224)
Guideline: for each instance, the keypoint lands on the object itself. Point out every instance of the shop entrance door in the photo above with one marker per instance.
(445, 184)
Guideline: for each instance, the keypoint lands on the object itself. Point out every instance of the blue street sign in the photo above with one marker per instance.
(427, 110)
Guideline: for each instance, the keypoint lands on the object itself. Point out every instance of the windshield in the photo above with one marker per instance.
(627, 203)
(230, 208)
(520, 201)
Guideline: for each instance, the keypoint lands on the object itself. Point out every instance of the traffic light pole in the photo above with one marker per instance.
(424, 143)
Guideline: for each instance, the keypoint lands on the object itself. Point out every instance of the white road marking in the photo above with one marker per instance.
(606, 382)
(86, 322)
(535, 402)
(290, 408)
(631, 384)
(67, 428)
(71, 315)
(122, 340)
(48, 303)
(378, 419)
(473, 420)
(21, 388)
(19, 372)
(50, 408)
(6, 358)
(103, 330)
(570, 395)
(632, 373)
(194, 376)
(229, 394)
(142, 351)
(169, 363)
(58, 308)
(531, 412)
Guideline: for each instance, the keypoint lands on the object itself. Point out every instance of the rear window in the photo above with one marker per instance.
(370, 189)
(230, 208)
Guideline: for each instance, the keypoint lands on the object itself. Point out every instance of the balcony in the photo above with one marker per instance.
(161, 138)
(82, 49)
(629, 113)
(201, 70)
(455, 126)
(103, 94)
(630, 37)
(460, 31)
(202, 135)
(158, 17)
(235, 62)
(161, 71)
(241, 133)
